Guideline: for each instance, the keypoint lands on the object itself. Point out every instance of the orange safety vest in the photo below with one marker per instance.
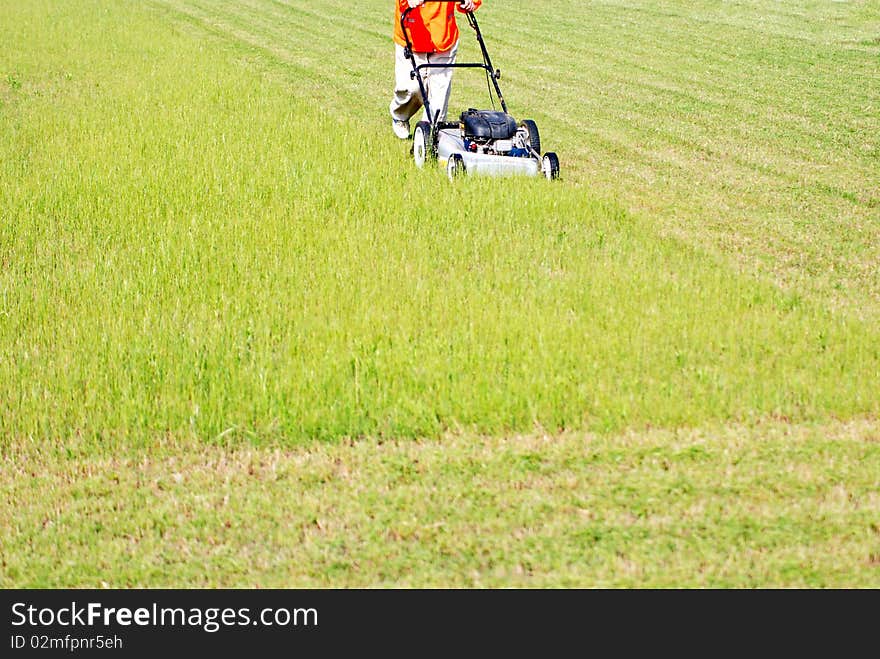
(432, 27)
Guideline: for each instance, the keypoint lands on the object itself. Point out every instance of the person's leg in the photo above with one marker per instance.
(407, 98)
(440, 82)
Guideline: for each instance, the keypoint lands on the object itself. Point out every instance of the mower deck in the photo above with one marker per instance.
(449, 141)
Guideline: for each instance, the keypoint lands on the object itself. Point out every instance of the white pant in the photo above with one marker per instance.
(438, 83)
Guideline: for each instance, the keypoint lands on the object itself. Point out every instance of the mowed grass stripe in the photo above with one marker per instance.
(336, 14)
(663, 75)
(743, 199)
(811, 22)
(771, 99)
(294, 43)
(765, 506)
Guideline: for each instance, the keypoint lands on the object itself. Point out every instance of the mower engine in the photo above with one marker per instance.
(494, 133)
(485, 142)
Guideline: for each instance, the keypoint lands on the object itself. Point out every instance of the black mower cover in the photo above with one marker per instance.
(488, 124)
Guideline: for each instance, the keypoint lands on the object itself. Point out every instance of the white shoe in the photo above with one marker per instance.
(400, 128)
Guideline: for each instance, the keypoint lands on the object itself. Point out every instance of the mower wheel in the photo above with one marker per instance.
(423, 144)
(455, 166)
(550, 166)
(533, 135)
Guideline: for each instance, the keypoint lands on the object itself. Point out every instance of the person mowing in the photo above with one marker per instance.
(433, 32)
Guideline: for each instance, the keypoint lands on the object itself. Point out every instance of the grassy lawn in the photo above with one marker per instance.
(244, 342)
(766, 506)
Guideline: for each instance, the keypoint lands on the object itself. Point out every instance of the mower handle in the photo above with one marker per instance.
(494, 74)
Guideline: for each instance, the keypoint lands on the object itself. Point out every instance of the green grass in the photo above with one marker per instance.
(209, 236)
(768, 506)
(195, 248)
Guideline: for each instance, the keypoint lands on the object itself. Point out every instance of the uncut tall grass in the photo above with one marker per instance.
(189, 246)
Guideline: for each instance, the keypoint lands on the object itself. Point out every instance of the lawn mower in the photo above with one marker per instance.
(488, 142)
